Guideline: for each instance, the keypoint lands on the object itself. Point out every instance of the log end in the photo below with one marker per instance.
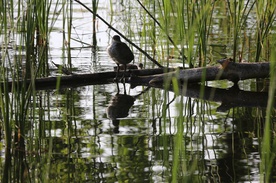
(225, 62)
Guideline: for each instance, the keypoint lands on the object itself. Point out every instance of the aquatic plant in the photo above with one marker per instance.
(268, 143)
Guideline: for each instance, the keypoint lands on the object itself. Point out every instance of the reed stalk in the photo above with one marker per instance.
(67, 25)
(179, 146)
(95, 4)
(268, 145)
(265, 18)
(6, 120)
(236, 8)
(32, 30)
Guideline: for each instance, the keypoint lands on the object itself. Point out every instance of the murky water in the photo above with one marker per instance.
(77, 140)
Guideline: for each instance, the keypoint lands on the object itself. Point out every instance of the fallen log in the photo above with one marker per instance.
(228, 70)
(149, 77)
(77, 80)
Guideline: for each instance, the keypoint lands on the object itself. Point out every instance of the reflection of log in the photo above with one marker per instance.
(229, 98)
(228, 70)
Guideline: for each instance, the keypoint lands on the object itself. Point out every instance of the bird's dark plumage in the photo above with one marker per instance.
(120, 52)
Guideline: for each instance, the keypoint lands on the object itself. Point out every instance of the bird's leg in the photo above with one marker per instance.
(123, 77)
(115, 79)
(124, 84)
(118, 89)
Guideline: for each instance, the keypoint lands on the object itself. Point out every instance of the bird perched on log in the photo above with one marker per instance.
(120, 53)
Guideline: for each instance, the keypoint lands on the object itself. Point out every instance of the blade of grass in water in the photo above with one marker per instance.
(265, 18)
(34, 24)
(269, 143)
(95, 4)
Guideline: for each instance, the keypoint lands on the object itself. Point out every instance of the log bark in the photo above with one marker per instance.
(228, 70)
(77, 80)
(150, 77)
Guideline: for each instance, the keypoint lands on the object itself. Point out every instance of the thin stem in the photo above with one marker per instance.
(156, 21)
(118, 32)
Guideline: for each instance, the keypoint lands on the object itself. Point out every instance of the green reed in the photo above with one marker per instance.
(149, 29)
(95, 4)
(268, 145)
(67, 15)
(191, 25)
(6, 122)
(265, 17)
(188, 24)
(25, 27)
(239, 12)
(179, 144)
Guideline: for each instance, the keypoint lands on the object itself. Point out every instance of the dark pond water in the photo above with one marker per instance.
(71, 135)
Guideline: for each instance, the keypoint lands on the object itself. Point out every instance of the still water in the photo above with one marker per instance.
(72, 137)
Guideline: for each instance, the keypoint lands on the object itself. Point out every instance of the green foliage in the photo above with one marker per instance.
(25, 27)
(195, 26)
(268, 150)
(265, 11)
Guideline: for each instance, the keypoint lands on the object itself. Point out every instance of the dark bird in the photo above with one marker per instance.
(120, 53)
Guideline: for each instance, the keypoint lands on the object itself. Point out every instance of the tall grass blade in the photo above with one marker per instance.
(269, 143)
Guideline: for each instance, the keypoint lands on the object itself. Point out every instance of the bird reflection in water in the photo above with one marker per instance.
(119, 107)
